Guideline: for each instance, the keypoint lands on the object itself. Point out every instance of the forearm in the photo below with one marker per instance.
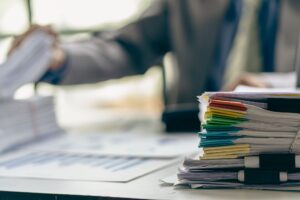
(127, 51)
(96, 60)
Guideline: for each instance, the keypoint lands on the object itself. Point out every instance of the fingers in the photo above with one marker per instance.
(248, 79)
(252, 80)
(49, 29)
(58, 58)
(19, 39)
(58, 55)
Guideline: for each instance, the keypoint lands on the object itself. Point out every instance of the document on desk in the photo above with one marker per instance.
(119, 157)
(114, 157)
(78, 166)
(124, 144)
(25, 153)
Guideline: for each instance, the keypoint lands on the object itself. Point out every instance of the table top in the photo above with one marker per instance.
(146, 187)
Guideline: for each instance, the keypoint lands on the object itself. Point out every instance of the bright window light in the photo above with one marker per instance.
(85, 14)
(13, 16)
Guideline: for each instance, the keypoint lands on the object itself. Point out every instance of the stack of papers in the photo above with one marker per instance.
(25, 121)
(27, 64)
(247, 140)
(240, 124)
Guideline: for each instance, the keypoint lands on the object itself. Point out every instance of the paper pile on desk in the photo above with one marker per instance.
(27, 64)
(239, 124)
(24, 121)
(238, 129)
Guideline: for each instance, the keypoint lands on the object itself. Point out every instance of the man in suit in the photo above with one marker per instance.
(205, 37)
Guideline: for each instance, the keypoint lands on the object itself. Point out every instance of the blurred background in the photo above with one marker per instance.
(139, 98)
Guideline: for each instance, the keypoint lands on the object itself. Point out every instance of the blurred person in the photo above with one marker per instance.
(213, 42)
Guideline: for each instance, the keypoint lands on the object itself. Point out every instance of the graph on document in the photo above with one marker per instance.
(72, 166)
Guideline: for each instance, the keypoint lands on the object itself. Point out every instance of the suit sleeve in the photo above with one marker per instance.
(128, 51)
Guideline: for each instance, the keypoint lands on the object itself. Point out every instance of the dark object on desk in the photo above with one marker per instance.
(39, 196)
(297, 63)
(181, 118)
(284, 104)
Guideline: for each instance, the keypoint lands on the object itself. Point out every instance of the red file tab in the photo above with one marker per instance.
(228, 105)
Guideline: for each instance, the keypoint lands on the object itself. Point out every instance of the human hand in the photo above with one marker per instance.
(247, 79)
(58, 55)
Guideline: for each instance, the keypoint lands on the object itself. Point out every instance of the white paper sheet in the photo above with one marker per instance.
(243, 88)
(126, 144)
(82, 167)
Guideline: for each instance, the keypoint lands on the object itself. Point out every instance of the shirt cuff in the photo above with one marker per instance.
(56, 76)
(280, 80)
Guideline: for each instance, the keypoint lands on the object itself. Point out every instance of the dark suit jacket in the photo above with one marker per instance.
(191, 29)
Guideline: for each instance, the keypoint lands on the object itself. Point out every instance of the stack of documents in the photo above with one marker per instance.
(240, 124)
(25, 121)
(247, 140)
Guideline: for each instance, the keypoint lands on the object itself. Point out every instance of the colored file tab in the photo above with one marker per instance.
(228, 105)
(229, 151)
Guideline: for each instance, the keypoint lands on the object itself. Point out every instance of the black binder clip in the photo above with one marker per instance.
(259, 176)
(283, 162)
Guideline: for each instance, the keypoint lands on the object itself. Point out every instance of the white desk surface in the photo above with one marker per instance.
(147, 187)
